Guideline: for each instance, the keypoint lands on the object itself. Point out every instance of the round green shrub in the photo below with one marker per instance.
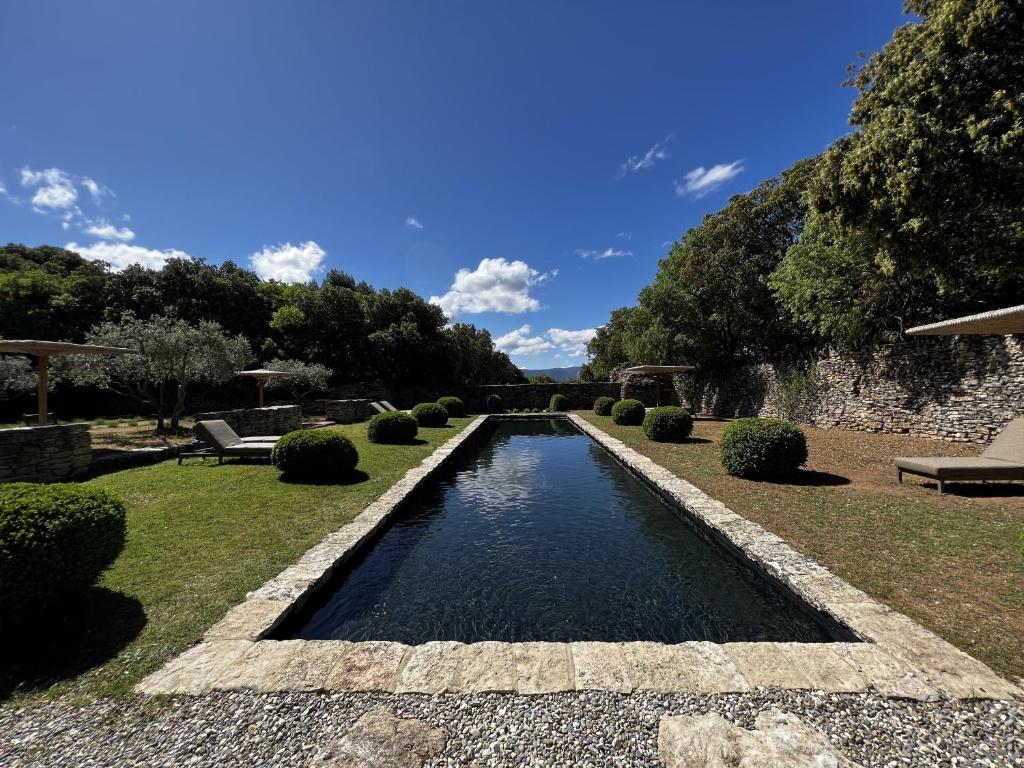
(391, 428)
(55, 540)
(494, 404)
(453, 405)
(430, 415)
(314, 454)
(628, 413)
(762, 449)
(558, 403)
(668, 424)
(603, 406)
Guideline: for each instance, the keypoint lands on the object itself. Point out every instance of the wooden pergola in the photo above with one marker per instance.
(43, 351)
(657, 371)
(261, 375)
(998, 322)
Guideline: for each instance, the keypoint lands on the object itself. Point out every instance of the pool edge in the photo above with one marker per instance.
(898, 658)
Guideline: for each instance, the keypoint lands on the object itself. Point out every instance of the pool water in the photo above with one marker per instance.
(536, 533)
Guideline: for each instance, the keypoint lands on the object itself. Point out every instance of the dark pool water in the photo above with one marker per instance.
(537, 533)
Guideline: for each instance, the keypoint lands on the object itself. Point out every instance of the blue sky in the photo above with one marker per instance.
(525, 163)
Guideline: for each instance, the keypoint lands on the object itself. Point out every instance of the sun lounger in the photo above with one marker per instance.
(388, 405)
(221, 440)
(1002, 460)
(379, 408)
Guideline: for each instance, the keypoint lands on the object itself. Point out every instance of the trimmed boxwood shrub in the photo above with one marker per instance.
(391, 428)
(558, 403)
(494, 404)
(603, 406)
(628, 413)
(668, 424)
(762, 449)
(55, 540)
(430, 415)
(314, 454)
(453, 405)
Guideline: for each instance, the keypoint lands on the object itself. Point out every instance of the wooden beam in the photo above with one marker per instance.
(42, 374)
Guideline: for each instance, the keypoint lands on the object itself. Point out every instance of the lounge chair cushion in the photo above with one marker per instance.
(1009, 444)
(389, 406)
(249, 449)
(217, 433)
(378, 408)
(961, 468)
(261, 439)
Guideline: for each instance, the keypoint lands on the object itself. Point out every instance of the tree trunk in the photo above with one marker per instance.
(179, 406)
(160, 406)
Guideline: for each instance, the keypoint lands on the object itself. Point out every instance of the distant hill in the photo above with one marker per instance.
(558, 374)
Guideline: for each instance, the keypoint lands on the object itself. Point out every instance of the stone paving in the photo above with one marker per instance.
(895, 656)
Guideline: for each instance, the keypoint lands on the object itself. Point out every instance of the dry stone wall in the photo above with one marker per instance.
(963, 389)
(519, 396)
(44, 454)
(347, 411)
(272, 420)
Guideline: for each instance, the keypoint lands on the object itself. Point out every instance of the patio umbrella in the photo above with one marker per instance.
(658, 371)
(261, 375)
(44, 350)
(998, 322)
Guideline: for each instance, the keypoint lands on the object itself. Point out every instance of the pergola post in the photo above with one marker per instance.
(262, 383)
(42, 374)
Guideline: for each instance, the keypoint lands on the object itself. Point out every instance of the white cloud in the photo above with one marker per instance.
(106, 231)
(496, 285)
(700, 181)
(413, 222)
(96, 190)
(607, 253)
(54, 189)
(572, 343)
(121, 255)
(647, 159)
(667, 243)
(520, 343)
(624, 235)
(288, 263)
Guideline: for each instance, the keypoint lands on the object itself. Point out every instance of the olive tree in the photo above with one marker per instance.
(303, 378)
(16, 376)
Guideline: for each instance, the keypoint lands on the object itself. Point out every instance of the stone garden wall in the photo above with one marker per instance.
(963, 389)
(44, 454)
(347, 411)
(272, 420)
(519, 396)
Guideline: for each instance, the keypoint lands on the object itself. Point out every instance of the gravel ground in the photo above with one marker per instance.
(578, 729)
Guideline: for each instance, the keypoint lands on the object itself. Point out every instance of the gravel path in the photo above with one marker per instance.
(577, 729)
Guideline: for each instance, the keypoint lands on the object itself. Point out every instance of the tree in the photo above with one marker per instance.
(16, 376)
(169, 352)
(305, 378)
(541, 378)
(931, 184)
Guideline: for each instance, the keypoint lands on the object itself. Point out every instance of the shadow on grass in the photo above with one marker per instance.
(68, 641)
(813, 477)
(355, 477)
(979, 490)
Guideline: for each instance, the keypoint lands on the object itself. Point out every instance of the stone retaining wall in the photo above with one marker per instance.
(519, 396)
(272, 420)
(964, 389)
(346, 411)
(44, 454)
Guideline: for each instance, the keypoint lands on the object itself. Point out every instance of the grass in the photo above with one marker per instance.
(952, 563)
(200, 536)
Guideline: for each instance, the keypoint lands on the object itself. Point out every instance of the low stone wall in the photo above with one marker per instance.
(519, 396)
(272, 420)
(347, 411)
(44, 454)
(645, 388)
(962, 389)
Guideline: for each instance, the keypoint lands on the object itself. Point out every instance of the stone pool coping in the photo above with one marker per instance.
(897, 657)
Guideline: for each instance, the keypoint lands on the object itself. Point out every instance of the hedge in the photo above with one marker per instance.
(603, 406)
(453, 405)
(55, 540)
(668, 424)
(430, 414)
(558, 403)
(628, 413)
(763, 449)
(314, 454)
(495, 404)
(391, 428)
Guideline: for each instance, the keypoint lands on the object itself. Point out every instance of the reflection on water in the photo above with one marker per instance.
(541, 535)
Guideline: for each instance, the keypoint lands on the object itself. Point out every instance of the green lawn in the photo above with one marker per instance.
(200, 536)
(952, 563)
